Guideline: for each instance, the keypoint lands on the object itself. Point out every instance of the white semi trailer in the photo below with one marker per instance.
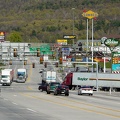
(7, 76)
(49, 76)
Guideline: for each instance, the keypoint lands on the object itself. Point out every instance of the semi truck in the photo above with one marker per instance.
(7, 76)
(48, 76)
(21, 75)
(100, 80)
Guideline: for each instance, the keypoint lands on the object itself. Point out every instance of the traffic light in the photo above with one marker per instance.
(45, 65)
(38, 53)
(15, 52)
(33, 65)
(41, 60)
(60, 60)
(10, 62)
(80, 46)
(25, 62)
(56, 64)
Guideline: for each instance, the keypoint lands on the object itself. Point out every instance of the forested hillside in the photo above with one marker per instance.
(48, 20)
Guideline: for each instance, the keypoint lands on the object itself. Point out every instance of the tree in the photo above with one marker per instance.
(14, 37)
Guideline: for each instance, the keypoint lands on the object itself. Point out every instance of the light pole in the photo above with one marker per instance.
(73, 22)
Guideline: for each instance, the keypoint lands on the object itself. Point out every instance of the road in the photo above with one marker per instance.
(23, 101)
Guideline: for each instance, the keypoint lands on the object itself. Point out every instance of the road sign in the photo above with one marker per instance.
(90, 14)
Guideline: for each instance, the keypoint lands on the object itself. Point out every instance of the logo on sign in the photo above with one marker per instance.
(90, 14)
(111, 42)
(82, 79)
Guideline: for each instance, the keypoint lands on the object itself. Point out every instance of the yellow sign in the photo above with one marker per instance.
(90, 14)
(62, 41)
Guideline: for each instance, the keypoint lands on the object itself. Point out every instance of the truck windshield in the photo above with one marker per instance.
(5, 76)
(21, 74)
(54, 84)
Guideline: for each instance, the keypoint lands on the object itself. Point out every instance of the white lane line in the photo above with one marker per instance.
(14, 95)
(14, 103)
(5, 99)
(31, 110)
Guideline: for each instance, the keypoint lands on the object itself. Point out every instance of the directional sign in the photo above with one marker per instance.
(90, 14)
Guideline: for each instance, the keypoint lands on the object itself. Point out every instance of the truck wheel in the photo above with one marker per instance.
(48, 92)
(66, 94)
(41, 90)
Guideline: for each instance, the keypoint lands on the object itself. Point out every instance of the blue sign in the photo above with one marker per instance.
(115, 67)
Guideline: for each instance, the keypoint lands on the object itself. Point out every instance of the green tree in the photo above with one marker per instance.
(14, 37)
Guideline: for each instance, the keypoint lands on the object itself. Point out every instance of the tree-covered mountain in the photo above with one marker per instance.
(48, 20)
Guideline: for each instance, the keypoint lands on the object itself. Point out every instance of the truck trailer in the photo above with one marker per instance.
(48, 76)
(7, 76)
(21, 75)
(100, 80)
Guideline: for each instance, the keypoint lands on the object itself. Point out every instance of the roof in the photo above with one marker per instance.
(113, 36)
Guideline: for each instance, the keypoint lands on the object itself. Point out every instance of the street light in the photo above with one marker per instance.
(73, 19)
(73, 22)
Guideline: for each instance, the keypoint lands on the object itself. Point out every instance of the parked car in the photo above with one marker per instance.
(43, 87)
(85, 90)
(61, 89)
(51, 87)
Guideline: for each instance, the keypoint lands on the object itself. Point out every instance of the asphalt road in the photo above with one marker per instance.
(23, 101)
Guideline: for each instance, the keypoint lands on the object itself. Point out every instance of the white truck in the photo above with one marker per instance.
(7, 76)
(21, 75)
(48, 76)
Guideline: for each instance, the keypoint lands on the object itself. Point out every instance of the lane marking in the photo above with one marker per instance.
(31, 110)
(14, 103)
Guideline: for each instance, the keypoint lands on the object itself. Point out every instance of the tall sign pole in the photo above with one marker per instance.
(90, 15)
(92, 45)
(87, 42)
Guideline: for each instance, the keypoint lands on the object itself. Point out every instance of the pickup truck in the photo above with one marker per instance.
(51, 87)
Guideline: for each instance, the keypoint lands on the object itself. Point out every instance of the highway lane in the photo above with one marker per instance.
(27, 97)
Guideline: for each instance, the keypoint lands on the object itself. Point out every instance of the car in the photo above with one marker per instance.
(51, 86)
(43, 87)
(85, 90)
(61, 89)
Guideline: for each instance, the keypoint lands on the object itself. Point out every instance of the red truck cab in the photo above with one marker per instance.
(68, 80)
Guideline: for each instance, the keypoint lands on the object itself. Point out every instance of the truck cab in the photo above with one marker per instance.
(51, 87)
(68, 80)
